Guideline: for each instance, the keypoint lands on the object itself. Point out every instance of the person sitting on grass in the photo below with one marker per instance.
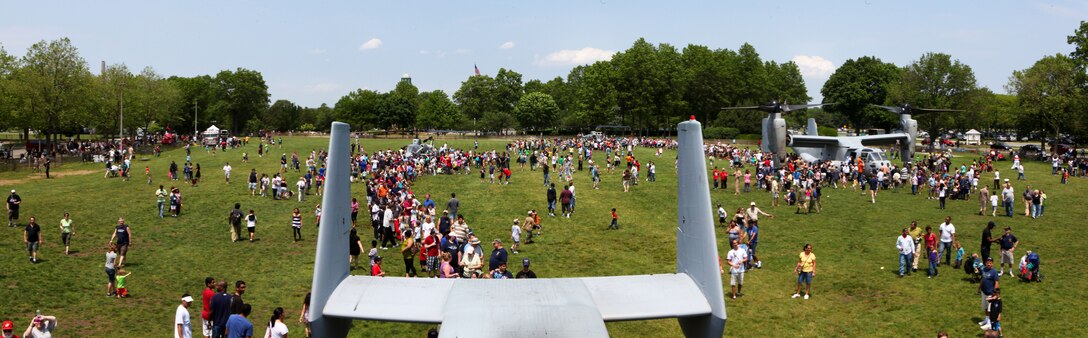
(376, 269)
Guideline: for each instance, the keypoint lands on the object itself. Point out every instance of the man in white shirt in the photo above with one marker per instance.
(226, 171)
(905, 244)
(301, 187)
(752, 215)
(948, 235)
(736, 259)
(722, 215)
(183, 328)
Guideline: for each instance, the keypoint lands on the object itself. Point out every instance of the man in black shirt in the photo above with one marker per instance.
(551, 198)
(236, 302)
(13, 208)
(525, 272)
(235, 220)
(1008, 245)
(987, 240)
(123, 235)
(32, 235)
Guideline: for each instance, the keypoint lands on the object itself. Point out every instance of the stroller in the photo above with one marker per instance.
(1029, 268)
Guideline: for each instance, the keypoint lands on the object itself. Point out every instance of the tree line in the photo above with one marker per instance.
(647, 87)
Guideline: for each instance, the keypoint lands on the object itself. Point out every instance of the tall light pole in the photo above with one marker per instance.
(122, 128)
(195, 106)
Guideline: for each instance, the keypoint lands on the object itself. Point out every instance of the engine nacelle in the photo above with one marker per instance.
(910, 127)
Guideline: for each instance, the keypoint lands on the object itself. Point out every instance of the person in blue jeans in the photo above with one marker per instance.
(905, 244)
(933, 259)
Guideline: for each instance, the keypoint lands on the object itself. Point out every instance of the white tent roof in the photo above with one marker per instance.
(973, 132)
(212, 129)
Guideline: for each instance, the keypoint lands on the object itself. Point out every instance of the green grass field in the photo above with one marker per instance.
(852, 238)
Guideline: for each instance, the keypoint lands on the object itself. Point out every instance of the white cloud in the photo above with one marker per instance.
(507, 45)
(814, 66)
(462, 51)
(424, 52)
(373, 43)
(317, 51)
(575, 57)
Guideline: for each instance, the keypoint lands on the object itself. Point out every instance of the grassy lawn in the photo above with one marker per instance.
(853, 239)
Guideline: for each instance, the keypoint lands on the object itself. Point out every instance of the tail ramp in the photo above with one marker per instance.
(547, 307)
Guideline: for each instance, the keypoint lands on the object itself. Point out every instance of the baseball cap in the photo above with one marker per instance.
(524, 262)
(187, 299)
(12, 191)
(8, 325)
(753, 203)
(470, 250)
(989, 259)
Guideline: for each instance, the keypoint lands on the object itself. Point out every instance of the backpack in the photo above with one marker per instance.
(969, 265)
(235, 218)
(416, 247)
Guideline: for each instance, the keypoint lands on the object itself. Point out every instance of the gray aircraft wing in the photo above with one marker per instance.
(521, 307)
(809, 141)
(886, 139)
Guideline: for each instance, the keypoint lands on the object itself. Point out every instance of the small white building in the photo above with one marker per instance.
(211, 135)
(972, 137)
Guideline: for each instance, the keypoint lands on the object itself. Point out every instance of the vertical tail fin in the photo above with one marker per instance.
(696, 244)
(330, 263)
(811, 128)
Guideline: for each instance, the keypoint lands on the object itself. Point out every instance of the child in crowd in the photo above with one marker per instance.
(373, 254)
(376, 269)
(995, 311)
(959, 253)
(251, 224)
(615, 221)
(933, 259)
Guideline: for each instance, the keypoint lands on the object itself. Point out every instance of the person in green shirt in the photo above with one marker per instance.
(66, 232)
(122, 291)
(408, 251)
(160, 196)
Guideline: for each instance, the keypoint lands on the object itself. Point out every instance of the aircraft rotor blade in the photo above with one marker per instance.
(742, 108)
(897, 110)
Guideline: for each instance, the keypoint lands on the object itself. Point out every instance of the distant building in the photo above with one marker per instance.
(406, 78)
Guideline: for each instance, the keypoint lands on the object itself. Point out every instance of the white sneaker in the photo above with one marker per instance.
(796, 295)
(985, 327)
(806, 296)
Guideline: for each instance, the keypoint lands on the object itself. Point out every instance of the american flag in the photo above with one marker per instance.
(477, 69)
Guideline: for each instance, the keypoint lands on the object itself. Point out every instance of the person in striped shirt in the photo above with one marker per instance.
(296, 225)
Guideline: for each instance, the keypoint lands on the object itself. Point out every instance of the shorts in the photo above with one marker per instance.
(111, 275)
(66, 238)
(432, 263)
(122, 249)
(252, 229)
(985, 303)
(752, 248)
(123, 292)
(804, 277)
(721, 219)
(252, 186)
(736, 278)
(13, 214)
(32, 247)
(206, 326)
(1007, 257)
(995, 325)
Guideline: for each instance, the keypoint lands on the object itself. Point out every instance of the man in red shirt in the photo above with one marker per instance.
(717, 176)
(430, 248)
(206, 300)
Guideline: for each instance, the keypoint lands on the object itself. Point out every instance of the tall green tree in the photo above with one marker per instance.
(360, 109)
(536, 111)
(155, 100)
(437, 111)
(508, 89)
(594, 97)
(857, 84)
(284, 115)
(54, 85)
(400, 107)
(241, 95)
(8, 100)
(477, 96)
(1079, 40)
(935, 81)
(195, 95)
(1048, 95)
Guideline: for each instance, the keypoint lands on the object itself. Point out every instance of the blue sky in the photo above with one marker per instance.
(315, 52)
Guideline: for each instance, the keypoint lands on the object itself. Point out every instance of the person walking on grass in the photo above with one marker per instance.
(806, 270)
(226, 171)
(991, 280)
(160, 196)
(251, 224)
(12, 206)
(906, 252)
(615, 225)
(737, 259)
(276, 327)
(355, 247)
(123, 235)
(296, 225)
(111, 270)
(948, 235)
(66, 232)
(234, 220)
(183, 326)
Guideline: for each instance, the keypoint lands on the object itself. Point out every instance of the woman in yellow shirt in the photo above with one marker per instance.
(806, 269)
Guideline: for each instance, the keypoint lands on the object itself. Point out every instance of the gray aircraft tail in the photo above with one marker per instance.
(330, 262)
(811, 128)
(696, 244)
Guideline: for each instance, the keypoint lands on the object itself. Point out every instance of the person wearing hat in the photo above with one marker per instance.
(13, 208)
(183, 328)
(751, 216)
(9, 329)
(473, 265)
(515, 235)
(525, 272)
(986, 286)
(41, 326)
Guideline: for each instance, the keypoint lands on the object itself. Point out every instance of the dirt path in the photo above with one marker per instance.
(51, 175)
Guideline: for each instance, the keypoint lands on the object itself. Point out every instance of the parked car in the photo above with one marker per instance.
(1030, 149)
(1000, 146)
(943, 141)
